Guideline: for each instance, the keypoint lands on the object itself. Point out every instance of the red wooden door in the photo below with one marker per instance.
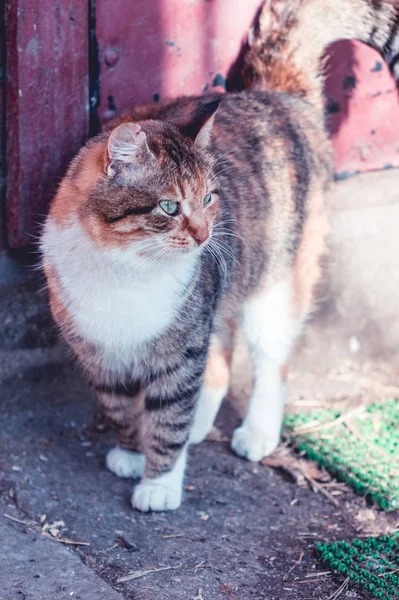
(47, 104)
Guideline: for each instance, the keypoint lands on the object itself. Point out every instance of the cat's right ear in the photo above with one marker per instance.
(125, 144)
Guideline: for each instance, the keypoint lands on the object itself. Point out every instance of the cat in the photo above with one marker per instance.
(190, 219)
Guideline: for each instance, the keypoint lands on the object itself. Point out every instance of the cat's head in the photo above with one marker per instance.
(154, 190)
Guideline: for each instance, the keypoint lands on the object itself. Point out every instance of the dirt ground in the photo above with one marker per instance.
(244, 531)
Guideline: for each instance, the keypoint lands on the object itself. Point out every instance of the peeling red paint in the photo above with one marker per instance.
(364, 109)
(168, 49)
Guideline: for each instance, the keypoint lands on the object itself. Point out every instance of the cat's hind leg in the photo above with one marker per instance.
(214, 389)
(272, 321)
(271, 328)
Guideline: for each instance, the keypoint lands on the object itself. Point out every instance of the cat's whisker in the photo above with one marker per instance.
(240, 225)
(223, 244)
(219, 158)
(218, 227)
(224, 163)
(156, 257)
(222, 171)
(225, 248)
(226, 221)
(145, 243)
(230, 232)
(147, 262)
(219, 259)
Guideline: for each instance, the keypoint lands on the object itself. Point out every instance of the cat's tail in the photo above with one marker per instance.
(290, 38)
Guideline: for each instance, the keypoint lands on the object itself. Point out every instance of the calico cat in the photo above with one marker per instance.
(194, 218)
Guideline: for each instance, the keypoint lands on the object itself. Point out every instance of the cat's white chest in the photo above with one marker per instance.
(127, 315)
(113, 305)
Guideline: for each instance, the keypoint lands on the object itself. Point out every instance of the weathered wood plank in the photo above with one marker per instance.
(47, 113)
(3, 237)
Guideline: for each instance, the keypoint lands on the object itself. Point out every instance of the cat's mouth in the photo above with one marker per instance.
(189, 246)
(162, 250)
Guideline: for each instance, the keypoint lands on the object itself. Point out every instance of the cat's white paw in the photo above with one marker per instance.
(163, 492)
(125, 463)
(155, 496)
(253, 444)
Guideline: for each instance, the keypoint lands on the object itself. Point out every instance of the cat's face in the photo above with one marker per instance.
(157, 195)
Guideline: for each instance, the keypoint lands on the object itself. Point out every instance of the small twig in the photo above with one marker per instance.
(124, 543)
(388, 573)
(10, 518)
(335, 484)
(339, 591)
(296, 564)
(371, 446)
(306, 428)
(203, 564)
(138, 574)
(64, 541)
(33, 527)
(199, 596)
(303, 403)
(319, 487)
(313, 580)
(172, 535)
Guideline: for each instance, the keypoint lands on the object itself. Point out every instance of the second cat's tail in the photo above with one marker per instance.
(291, 36)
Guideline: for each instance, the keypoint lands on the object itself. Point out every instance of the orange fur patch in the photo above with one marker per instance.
(284, 372)
(58, 308)
(307, 268)
(217, 374)
(78, 182)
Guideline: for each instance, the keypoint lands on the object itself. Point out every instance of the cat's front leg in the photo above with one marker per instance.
(123, 406)
(270, 327)
(214, 389)
(169, 412)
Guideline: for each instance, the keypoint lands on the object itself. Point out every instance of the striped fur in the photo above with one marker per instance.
(154, 328)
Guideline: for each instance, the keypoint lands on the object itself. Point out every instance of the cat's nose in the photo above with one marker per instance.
(200, 234)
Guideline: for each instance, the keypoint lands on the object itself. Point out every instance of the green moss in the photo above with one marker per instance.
(365, 455)
(372, 564)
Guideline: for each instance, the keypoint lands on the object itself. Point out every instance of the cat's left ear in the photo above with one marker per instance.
(199, 127)
(126, 144)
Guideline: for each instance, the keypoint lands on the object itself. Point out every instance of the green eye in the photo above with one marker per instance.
(207, 199)
(170, 207)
